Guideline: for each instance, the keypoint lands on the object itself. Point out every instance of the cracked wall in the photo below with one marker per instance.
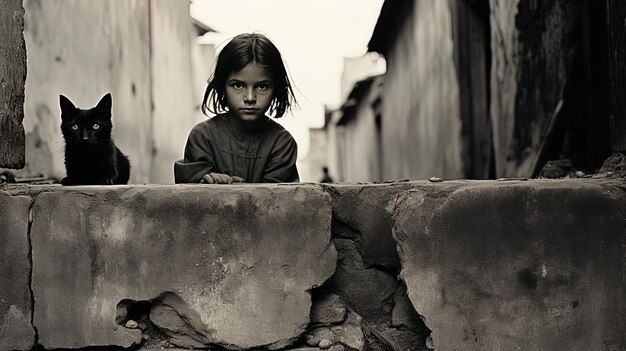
(227, 260)
(516, 265)
(489, 264)
(368, 265)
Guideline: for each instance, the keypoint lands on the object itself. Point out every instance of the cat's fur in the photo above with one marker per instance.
(91, 157)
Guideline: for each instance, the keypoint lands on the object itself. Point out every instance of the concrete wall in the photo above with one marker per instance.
(140, 51)
(421, 116)
(226, 274)
(12, 76)
(219, 262)
(16, 308)
(516, 266)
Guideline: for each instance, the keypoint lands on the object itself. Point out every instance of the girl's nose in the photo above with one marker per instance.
(250, 96)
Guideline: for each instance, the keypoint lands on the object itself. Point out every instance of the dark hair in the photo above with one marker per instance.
(242, 50)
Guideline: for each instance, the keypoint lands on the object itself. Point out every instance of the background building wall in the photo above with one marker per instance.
(12, 77)
(333, 157)
(362, 141)
(358, 68)
(316, 158)
(173, 90)
(203, 60)
(534, 46)
(84, 50)
(140, 51)
(421, 129)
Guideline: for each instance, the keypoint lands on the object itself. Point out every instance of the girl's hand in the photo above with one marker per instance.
(219, 178)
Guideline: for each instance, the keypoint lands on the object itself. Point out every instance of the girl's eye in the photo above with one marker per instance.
(96, 126)
(237, 86)
(262, 87)
(74, 126)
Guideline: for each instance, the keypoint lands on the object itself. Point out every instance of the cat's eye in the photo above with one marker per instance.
(96, 126)
(74, 126)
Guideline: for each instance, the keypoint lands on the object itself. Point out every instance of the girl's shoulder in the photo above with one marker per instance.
(277, 129)
(275, 126)
(213, 123)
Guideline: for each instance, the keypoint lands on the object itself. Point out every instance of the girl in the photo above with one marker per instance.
(241, 143)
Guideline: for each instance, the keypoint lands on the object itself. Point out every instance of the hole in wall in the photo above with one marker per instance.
(165, 321)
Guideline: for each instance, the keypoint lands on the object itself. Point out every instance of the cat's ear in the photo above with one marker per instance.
(105, 103)
(67, 107)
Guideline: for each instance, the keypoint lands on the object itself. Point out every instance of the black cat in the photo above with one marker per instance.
(91, 157)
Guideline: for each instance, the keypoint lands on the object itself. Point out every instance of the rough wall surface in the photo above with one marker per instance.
(239, 261)
(16, 330)
(421, 108)
(533, 50)
(535, 265)
(532, 266)
(368, 263)
(173, 91)
(12, 78)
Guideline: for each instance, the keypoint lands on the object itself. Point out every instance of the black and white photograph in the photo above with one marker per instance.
(310, 175)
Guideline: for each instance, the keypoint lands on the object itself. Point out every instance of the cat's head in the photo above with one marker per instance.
(92, 126)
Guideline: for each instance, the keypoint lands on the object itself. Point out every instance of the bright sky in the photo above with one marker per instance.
(312, 36)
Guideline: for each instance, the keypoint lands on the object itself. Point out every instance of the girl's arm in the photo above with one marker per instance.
(281, 167)
(199, 158)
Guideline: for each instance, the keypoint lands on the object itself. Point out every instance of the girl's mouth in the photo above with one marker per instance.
(249, 110)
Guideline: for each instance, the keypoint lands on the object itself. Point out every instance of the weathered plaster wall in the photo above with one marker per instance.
(362, 142)
(532, 266)
(486, 264)
(534, 46)
(16, 329)
(203, 59)
(173, 91)
(421, 116)
(12, 77)
(228, 260)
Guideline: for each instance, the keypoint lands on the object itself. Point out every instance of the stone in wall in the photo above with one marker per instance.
(235, 263)
(360, 208)
(534, 265)
(368, 263)
(12, 78)
(334, 326)
(16, 330)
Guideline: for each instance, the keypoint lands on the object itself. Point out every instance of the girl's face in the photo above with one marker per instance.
(249, 92)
